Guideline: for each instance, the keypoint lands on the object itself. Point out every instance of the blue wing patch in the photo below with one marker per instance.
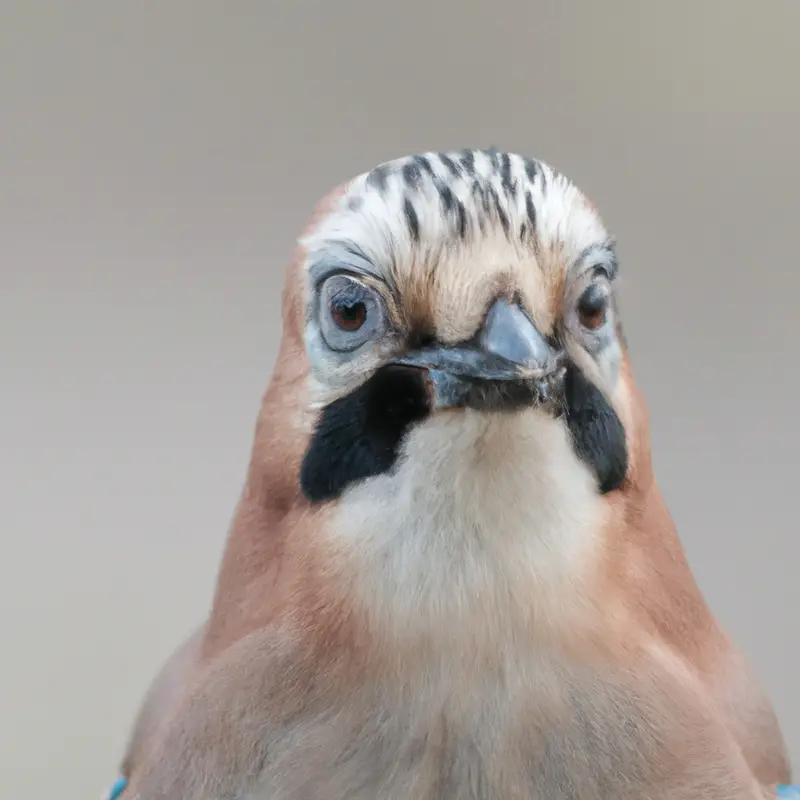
(789, 792)
(118, 788)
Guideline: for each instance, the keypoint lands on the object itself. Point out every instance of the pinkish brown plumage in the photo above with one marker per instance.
(451, 573)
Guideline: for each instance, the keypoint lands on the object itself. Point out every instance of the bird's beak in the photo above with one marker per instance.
(508, 360)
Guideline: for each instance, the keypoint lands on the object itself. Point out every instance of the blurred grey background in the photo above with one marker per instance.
(157, 161)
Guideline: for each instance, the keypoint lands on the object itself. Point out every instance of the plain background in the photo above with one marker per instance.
(157, 161)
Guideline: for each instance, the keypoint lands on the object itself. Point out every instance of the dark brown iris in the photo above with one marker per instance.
(349, 316)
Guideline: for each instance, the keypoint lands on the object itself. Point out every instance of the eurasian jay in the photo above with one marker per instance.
(451, 573)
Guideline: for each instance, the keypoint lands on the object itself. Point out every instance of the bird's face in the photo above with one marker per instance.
(454, 291)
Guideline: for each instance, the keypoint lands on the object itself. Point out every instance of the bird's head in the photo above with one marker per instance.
(439, 289)
(452, 398)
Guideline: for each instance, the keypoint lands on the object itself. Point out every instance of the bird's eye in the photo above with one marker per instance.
(349, 316)
(593, 307)
(351, 313)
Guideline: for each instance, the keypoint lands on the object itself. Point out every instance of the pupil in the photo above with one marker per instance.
(351, 312)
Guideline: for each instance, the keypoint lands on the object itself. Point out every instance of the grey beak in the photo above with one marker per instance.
(508, 347)
(509, 334)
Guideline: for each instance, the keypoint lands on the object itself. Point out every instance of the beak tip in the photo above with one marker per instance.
(510, 334)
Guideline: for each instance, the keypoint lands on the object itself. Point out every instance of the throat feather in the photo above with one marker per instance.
(487, 525)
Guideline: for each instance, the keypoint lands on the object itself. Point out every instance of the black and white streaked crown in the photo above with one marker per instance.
(421, 204)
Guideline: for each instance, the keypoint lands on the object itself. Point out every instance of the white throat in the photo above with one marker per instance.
(489, 524)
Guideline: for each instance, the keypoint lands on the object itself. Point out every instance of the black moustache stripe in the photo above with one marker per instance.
(359, 436)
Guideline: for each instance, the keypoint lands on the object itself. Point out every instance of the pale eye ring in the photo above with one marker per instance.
(351, 313)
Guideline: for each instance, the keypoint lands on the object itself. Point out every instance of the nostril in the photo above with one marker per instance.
(420, 339)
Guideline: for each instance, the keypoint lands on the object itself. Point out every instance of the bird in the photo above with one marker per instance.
(450, 572)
